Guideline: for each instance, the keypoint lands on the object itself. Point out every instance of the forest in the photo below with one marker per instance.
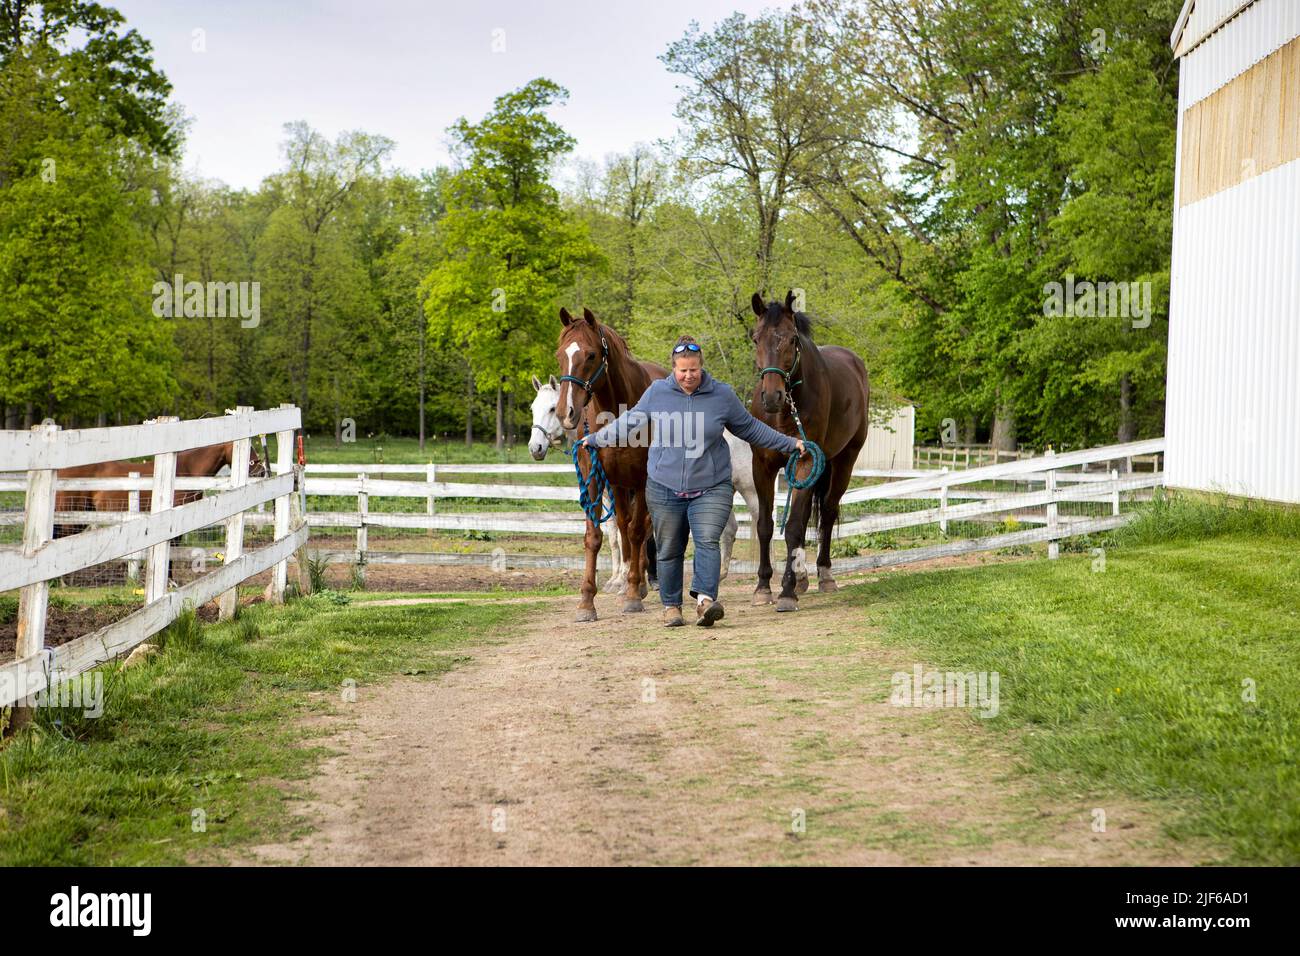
(926, 174)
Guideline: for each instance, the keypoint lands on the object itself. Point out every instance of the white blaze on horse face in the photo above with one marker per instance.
(573, 349)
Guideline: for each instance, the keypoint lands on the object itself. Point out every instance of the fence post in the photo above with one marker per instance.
(1053, 546)
(38, 529)
(161, 498)
(431, 475)
(283, 465)
(133, 506)
(943, 500)
(363, 510)
(1114, 501)
(228, 603)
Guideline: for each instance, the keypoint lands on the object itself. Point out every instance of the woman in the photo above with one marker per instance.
(689, 487)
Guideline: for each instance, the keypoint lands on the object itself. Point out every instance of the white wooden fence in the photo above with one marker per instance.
(43, 450)
(1058, 475)
(1050, 480)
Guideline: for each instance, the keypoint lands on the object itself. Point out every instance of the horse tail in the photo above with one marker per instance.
(819, 492)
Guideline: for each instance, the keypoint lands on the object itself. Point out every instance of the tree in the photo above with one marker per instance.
(510, 249)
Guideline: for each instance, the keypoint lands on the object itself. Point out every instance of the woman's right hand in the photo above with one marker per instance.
(798, 442)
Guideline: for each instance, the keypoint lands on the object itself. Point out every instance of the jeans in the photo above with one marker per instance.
(703, 518)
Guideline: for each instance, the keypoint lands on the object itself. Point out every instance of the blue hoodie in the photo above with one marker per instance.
(687, 449)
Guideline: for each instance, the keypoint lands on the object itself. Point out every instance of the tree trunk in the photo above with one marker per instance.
(423, 332)
(29, 415)
(968, 431)
(500, 434)
(1127, 428)
(469, 406)
(1004, 429)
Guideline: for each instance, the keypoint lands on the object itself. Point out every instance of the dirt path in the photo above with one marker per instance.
(624, 742)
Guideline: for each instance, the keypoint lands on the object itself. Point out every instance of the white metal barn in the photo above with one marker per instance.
(1232, 420)
(889, 445)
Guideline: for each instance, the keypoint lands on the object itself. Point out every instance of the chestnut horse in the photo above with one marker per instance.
(829, 390)
(191, 463)
(601, 376)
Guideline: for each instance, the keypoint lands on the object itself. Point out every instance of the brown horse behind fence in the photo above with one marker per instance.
(829, 388)
(192, 463)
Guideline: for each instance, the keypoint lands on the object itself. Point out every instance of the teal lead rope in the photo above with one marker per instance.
(595, 476)
(792, 466)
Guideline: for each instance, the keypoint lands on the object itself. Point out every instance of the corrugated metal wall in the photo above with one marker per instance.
(1233, 396)
(1245, 40)
(890, 449)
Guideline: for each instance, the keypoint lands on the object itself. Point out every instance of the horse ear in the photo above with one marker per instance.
(564, 315)
(789, 301)
(759, 308)
(555, 383)
(537, 384)
(586, 314)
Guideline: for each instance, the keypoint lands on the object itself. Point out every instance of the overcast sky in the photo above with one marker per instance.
(408, 69)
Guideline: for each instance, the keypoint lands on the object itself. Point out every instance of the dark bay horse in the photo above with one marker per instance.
(599, 375)
(191, 463)
(829, 388)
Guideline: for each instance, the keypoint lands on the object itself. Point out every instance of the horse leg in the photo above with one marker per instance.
(648, 552)
(617, 582)
(587, 602)
(764, 489)
(841, 473)
(637, 588)
(727, 542)
(796, 525)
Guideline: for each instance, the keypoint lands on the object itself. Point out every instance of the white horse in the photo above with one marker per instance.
(548, 433)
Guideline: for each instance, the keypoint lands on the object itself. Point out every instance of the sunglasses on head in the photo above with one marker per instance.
(686, 347)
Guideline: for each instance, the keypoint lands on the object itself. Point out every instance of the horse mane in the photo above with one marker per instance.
(802, 323)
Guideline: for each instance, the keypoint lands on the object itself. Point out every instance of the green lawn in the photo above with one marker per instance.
(211, 724)
(1140, 676)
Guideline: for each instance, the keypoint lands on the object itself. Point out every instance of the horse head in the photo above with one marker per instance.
(547, 432)
(777, 348)
(583, 354)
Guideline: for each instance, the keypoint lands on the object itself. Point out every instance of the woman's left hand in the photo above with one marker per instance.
(799, 447)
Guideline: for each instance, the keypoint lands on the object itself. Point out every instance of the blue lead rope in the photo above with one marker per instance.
(595, 476)
(792, 466)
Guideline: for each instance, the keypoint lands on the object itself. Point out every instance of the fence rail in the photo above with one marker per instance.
(1041, 486)
(124, 536)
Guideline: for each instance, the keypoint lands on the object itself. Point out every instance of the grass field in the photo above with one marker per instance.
(1172, 674)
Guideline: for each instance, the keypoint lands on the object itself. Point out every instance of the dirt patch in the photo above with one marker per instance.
(65, 624)
(769, 739)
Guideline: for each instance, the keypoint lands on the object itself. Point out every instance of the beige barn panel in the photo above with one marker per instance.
(1245, 129)
(1235, 47)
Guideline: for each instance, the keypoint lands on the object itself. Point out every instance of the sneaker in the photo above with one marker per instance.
(708, 611)
(673, 617)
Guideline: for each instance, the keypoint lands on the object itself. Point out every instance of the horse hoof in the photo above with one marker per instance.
(802, 585)
(827, 586)
(762, 597)
(585, 614)
(787, 604)
(632, 607)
